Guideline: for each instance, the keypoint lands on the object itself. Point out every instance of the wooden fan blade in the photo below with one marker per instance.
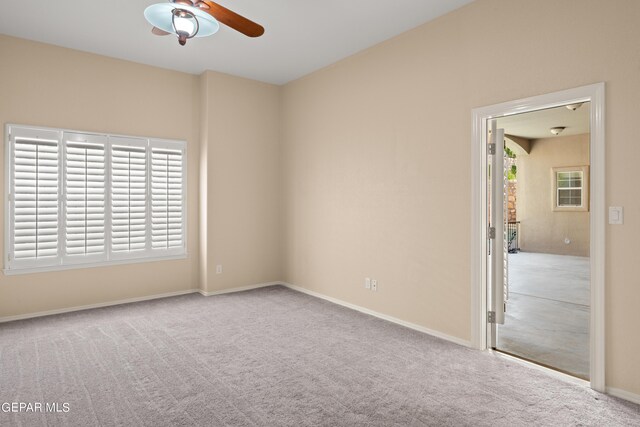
(158, 32)
(233, 20)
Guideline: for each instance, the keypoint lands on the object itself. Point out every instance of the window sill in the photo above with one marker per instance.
(18, 271)
(570, 209)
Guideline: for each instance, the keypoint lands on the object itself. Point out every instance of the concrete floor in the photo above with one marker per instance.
(547, 319)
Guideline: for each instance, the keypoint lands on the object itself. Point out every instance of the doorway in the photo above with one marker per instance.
(548, 276)
(545, 212)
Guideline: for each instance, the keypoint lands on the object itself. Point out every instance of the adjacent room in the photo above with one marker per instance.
(548, 244)
(285, 213)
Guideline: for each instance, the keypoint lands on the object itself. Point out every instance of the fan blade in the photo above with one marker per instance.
(158, 32)
(233, 20)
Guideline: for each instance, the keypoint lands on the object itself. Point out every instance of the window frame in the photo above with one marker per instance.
(64, 261)
(584, 207)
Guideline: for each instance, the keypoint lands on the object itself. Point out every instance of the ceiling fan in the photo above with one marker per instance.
(196, 18)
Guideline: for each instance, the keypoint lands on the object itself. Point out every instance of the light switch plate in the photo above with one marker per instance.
(616, 215)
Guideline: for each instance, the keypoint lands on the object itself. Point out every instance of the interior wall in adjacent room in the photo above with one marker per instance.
(543, 229)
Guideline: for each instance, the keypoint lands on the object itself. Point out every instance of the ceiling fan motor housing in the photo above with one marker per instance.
(196, 18)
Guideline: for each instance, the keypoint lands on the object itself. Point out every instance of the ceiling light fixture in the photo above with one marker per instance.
(182, 19)
(574, 107)
(185, 25)
(557, 130)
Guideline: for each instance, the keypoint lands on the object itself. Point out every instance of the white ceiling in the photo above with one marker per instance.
(536, 124)
(301, 35)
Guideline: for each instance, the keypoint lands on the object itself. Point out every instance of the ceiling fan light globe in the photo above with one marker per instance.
(185, 25)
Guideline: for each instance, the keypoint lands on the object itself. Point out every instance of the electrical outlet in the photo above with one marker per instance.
(374, 285)
(218, 269)
(367, 283)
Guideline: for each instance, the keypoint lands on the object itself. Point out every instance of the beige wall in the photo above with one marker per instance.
(45, 85)
(541, 228)
(241, 148)
(362, 168)
(376, 157)
(231, 126)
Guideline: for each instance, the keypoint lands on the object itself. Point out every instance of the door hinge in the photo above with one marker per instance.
(492, 148)
(491, 316)
(491, 232)
(10, 197)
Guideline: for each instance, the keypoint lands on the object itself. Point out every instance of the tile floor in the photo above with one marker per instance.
(547, 319)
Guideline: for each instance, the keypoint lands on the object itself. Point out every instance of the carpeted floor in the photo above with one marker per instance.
(272, 357)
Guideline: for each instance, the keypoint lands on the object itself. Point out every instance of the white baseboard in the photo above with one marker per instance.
(238, 289)
(129, 300)
(401, 322)
(344, 304)
(616, 392)
(98, 305)
(241, 289)
(623, 394)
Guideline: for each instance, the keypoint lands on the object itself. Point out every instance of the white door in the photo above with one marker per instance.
(498, 229)
(483, 288)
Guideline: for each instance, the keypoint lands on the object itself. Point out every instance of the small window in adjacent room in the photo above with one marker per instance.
(571, 188)
(85, 199)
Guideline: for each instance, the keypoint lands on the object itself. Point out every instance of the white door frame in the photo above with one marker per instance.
(594, 94)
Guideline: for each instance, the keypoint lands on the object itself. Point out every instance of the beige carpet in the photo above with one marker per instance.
(272, 357)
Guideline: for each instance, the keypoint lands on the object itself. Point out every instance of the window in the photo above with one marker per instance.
(571, 188)
(166, 198)
(84, 197)
(128, 197)
(87, 199)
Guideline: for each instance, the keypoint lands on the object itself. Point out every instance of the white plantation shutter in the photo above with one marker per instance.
(84, 193)
(167, 198)
(128, 196)
(35, 203)
(91, 199)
